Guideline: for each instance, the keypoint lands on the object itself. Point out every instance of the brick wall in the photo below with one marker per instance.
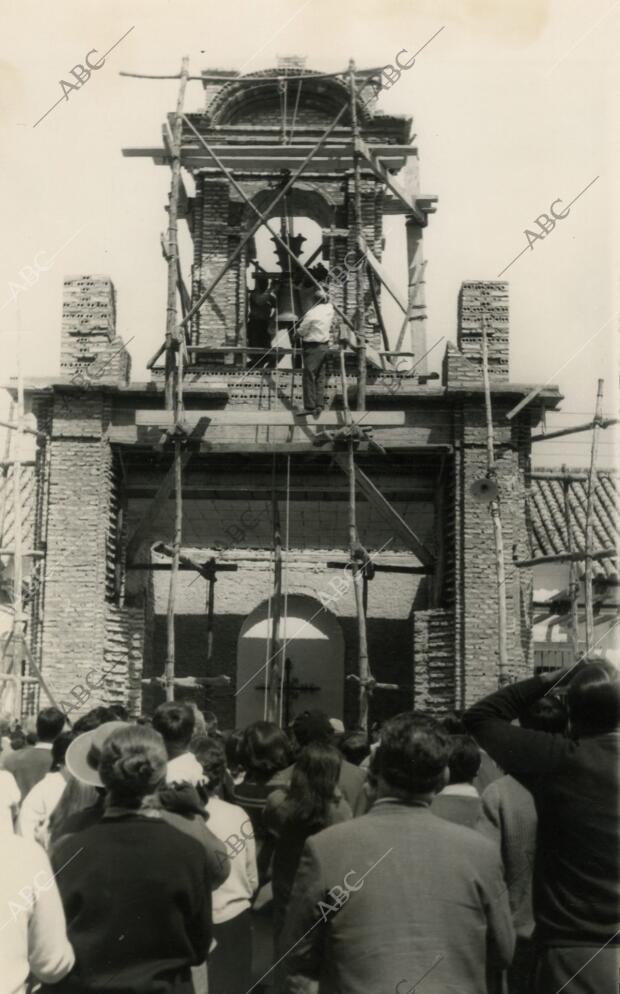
(433, 660)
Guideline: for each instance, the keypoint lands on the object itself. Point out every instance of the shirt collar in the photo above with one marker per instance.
(43, 745)
(459, 790)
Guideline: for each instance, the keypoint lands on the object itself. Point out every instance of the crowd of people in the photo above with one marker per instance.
(473, 853)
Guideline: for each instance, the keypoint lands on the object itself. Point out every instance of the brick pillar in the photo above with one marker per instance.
(476, 300)
(416, 295)
(213, 241)
(476, 577)
(78, 527)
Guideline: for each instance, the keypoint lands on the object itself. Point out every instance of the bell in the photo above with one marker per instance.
(288, 304)
(484, 490)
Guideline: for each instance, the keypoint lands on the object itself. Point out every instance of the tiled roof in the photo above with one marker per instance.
(548, 529)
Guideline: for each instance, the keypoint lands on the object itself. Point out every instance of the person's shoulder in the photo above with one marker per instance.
(461, 840)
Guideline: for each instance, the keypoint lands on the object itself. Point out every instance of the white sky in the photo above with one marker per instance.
(514, 106)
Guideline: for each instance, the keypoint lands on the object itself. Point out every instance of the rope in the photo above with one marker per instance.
(268, 641)
(288, 522)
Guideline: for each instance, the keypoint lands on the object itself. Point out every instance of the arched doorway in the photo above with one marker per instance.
(315, 647)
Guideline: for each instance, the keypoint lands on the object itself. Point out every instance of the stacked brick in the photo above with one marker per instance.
(89, 344)
(434, 684)
(480, 301)
(123, 654)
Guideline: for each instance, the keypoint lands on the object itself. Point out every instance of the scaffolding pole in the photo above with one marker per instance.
(589, 526)
(502, 654)
(573, 583)
(357, 232)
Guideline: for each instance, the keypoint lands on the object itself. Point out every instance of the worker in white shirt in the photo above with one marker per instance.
(41, 800)
(314, 330)
(33, 934)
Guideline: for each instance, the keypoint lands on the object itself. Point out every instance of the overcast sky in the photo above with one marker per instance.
(513, 107)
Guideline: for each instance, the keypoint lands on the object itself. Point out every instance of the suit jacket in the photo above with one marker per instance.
(419, 898)
(462, 810)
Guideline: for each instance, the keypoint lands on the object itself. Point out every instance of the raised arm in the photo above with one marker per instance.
(526, 754)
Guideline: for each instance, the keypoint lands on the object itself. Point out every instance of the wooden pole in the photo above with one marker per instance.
(18, 620)
(573, 583)
(275, 659)
(358, 587)
(174, 570)
(502, 654)
(357, 231)
(589, 525)
(172, 246)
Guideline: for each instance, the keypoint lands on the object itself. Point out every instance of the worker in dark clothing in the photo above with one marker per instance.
(574, 782)
(262, 303)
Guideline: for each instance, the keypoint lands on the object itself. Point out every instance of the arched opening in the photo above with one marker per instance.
(315, 647)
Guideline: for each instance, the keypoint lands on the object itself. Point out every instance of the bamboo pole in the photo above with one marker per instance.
(573, 583)
(18, 620)
(171, 341)
(358, 587)
(357, 231)
(274, 670)
(588, 426)
(589, 526)
(502, 654)
(174, 570)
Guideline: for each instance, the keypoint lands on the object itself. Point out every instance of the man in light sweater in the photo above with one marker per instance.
(314, 330)
(175, 721)
(33, 936)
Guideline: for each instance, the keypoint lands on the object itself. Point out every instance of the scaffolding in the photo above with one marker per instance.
(179, 350)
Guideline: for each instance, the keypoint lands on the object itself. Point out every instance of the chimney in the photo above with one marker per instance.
(477, 300)
(89, 344)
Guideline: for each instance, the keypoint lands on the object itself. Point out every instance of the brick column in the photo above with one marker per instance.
(80, 483)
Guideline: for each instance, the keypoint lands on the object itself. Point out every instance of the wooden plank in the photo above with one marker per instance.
(381, 274)
(158, 503)
(385, 508)
(231, 417)
(589, 523)
(381, 173)
(568, 557)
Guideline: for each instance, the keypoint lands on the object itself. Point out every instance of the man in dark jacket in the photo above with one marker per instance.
(574, 782)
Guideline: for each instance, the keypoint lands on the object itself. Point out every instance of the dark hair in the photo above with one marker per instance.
(210, 754)
(97, 716)
(464, 761)
(119, 711)
(233, 747)
(413, 754)
(594, 699)
(133, 764)
(18, 739)
(313, 783)
(261, 281)
(175, 722)
(354, 746)
(59, 748)
(265, 749)
(50, 723)
(76, 796)
(312, 726)
(547, 714)
(453, 724)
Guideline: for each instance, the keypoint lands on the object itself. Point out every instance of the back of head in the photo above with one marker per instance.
(464, 761)
(313, 783)
(453, 724)
(174, 721)
(354, 746)
(412, 756)
(547, 714)
(50, 723)
(93, 719)
(59, 749)
(312, 726)
(594, 699)
(119, 712)
(265, 749)
(132, 764)
(210, 754)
